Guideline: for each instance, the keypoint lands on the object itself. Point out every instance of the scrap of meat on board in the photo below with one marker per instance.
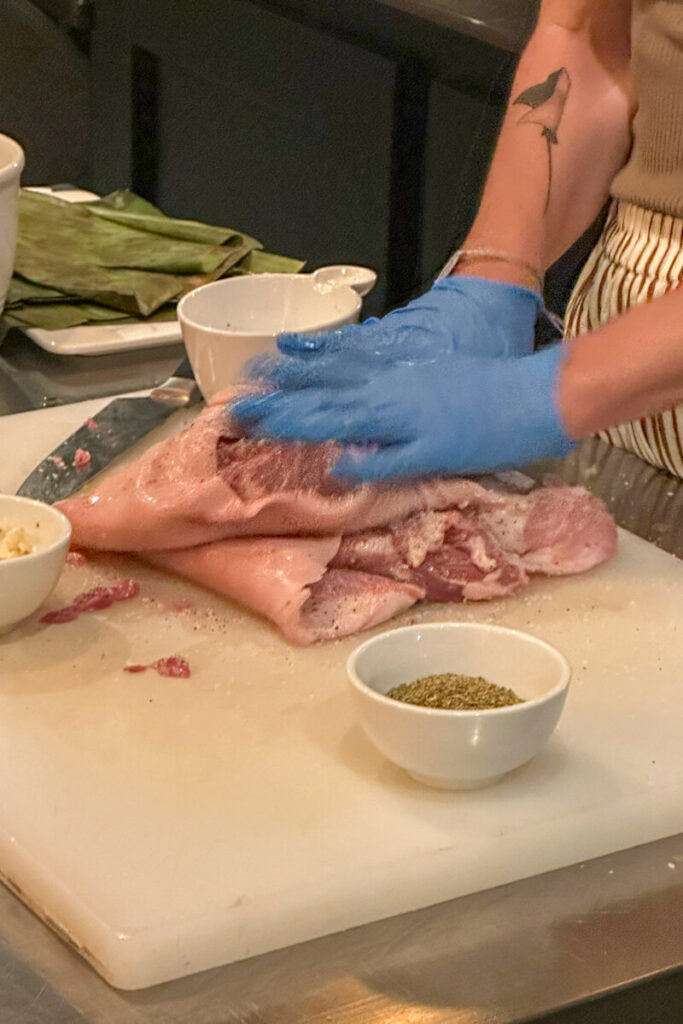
(266, 524)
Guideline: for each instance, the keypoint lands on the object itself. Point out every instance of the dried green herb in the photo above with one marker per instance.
(453, 692)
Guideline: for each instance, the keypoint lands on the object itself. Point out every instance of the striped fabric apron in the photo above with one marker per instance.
(639, 256)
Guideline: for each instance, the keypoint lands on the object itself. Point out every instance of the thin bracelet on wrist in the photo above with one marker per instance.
(490, 254)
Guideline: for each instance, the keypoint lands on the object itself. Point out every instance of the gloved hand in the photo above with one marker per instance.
(463, 314)
(455, 416)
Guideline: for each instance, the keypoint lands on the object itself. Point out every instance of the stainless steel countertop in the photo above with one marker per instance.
(510, 954)
(31, 378)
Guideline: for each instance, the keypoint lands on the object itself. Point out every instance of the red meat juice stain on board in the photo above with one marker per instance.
(94, 600)
(174, 667)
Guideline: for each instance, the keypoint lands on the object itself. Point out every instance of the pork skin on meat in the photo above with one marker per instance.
(287, 579)
(267, 525)
(208, 484)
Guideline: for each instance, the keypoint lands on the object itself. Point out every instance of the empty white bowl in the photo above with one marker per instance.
(458, 749)
(226, 323)
(27, 580)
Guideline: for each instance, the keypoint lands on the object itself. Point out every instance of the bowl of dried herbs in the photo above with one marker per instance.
(458, 705)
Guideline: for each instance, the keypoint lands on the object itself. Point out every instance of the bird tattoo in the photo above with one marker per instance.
(546, 102)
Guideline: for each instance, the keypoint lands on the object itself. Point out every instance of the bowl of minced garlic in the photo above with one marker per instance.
(14, 542)
(458, 705)
(34, 543)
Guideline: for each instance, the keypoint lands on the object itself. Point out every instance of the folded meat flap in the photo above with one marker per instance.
(207, 484)
(287, 579)
(268, 525)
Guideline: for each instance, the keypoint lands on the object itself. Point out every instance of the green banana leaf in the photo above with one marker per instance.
(60, 316)
(119, 259)
(65, 246)
(21, 291)
(124, 207)
(57, 316)
(259, 262)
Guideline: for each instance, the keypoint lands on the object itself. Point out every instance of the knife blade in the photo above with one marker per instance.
(110, 433)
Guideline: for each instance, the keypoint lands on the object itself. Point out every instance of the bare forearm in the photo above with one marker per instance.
(631, 367)
(565, 134)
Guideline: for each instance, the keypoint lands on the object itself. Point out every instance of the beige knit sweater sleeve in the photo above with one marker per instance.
(653, 176)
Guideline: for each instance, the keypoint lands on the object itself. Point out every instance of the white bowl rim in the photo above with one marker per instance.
(363, 273)
(329, 325)
(19, 499)
(17, 159)
(510, 709)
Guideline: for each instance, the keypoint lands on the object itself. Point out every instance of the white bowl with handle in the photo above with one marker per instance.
(458, 749)
(227, 323)
(27, 580)
(11, 166)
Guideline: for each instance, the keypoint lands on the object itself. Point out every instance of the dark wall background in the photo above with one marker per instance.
(274, 123)
(44, 86)
(336, 132)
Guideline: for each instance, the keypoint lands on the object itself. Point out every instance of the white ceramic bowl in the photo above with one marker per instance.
(458, 749)
(361, 279)
(226, 323)
(26, 581)
(11, 166)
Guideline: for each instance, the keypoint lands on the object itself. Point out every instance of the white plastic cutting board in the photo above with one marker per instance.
(168, 825)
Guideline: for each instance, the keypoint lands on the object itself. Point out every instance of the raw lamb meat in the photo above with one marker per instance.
(267, 525)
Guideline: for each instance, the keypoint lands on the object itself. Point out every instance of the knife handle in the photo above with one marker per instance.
(179, 389)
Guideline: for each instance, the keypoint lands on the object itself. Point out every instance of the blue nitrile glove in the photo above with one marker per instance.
(465, 314)
(456, 416)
